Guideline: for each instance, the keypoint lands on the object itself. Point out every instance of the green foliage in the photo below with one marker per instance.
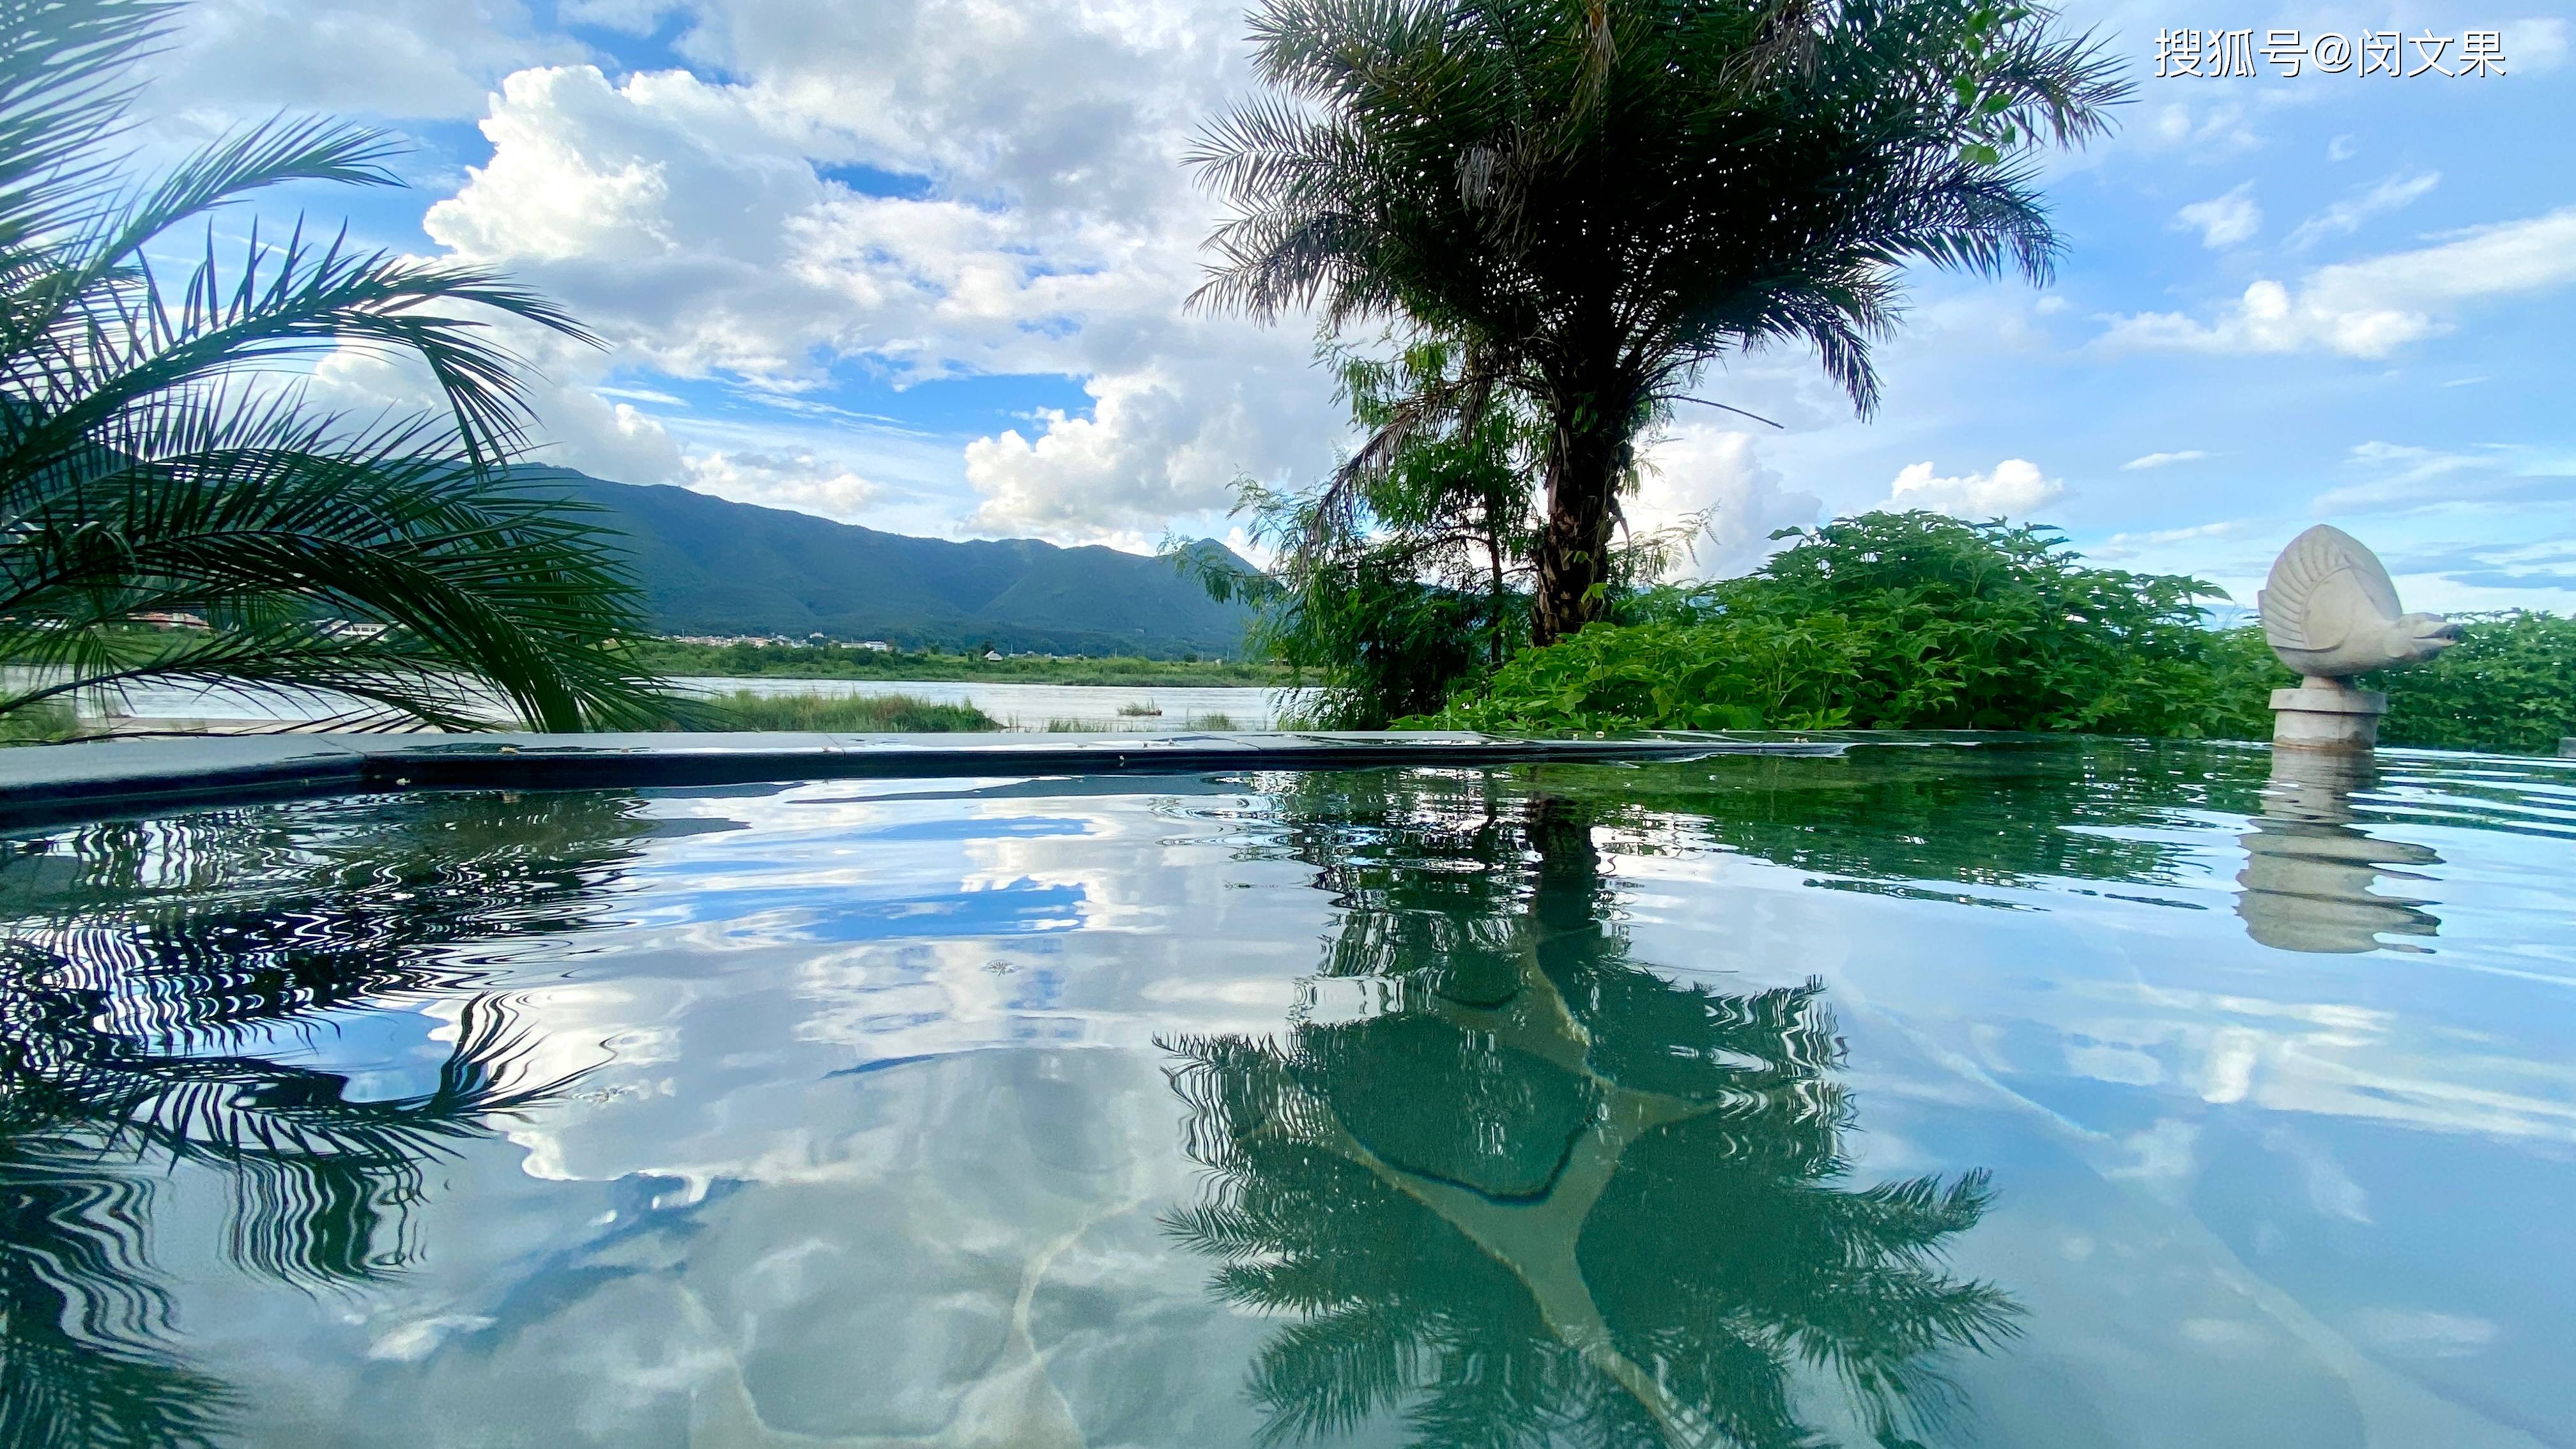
(46, 722)
(1883, 621)
(2508, 685)
(1917, 621)
(1742, 674)
(1409, 570)
(1594, 199)
(1402, 573)
(145, 467)
(842, 714)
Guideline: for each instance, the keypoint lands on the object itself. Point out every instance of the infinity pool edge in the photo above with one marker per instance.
(71, 783)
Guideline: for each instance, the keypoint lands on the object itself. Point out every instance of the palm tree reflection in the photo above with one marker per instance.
(154, 979)
(1541, 1192)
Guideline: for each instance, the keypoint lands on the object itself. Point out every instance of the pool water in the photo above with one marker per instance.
(1995, 1093)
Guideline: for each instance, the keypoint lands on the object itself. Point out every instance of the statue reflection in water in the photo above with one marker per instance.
(1537, 1193)
(2309, 870)
(155, 979)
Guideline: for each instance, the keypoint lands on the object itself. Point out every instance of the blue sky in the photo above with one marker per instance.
(921, 267)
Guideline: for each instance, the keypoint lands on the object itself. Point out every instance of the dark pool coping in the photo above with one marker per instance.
(59, 784)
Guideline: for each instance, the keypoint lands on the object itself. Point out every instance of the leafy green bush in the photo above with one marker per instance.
(1913, 620)
(841, 713)
(2509, 685)
(1883, 621)
(1735, 673)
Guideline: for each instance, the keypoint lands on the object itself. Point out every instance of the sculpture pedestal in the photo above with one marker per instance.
(2326, 714)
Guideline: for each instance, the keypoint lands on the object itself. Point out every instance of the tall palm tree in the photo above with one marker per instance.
(1597, 198)
(158, 454)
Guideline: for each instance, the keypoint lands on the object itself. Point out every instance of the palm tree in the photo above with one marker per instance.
(158, 455)
(1594, 199)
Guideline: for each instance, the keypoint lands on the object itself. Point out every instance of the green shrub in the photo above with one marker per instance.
(842, 714)
(1735, 673)
(45, 722)
(2509, 684)
(1883, 621)
(1913, 620)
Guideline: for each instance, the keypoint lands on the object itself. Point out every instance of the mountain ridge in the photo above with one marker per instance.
(710, 565)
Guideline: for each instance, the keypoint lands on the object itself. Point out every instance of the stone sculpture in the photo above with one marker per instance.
(2330, 612)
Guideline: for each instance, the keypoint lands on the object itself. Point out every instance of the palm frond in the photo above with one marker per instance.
(152, 459)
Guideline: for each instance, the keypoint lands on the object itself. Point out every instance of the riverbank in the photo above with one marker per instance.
(862, 705)
(673, 659)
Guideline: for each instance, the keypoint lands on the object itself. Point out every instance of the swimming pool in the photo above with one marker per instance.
(1997, 1093)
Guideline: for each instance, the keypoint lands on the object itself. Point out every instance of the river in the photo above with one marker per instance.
(1017, 706)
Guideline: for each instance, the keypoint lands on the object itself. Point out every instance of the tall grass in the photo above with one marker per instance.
(842, 714)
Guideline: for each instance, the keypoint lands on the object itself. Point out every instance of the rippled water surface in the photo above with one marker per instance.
(2000, 1094)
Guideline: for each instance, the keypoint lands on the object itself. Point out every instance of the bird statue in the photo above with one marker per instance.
(2330, 611)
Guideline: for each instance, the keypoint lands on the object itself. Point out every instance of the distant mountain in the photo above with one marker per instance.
(710, 566)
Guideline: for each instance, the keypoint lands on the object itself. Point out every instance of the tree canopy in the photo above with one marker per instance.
(1594, 199)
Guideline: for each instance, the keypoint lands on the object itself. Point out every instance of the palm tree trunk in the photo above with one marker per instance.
(1586, 457)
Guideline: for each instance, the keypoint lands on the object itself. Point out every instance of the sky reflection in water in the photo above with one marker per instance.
(2016, 1094)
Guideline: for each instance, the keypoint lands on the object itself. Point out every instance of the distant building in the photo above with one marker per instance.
(879, 645)
(170, 621)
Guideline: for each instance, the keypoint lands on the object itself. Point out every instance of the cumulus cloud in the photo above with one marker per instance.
(1160, 440)
(1718, 475)
(798, 479)
(2373, 307)
(2162, 460)
(578, 427)
(880, 189)
(2016, 486)
(2389, 193)
(2223, 221)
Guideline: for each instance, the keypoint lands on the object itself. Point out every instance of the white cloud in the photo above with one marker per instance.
(2121, 547)
(2162, 460)
(798, 480)
(2535, 45)
(432, 59)
(2207, 131)
(1719, 474)
(2342, 148)
(1046, 230)
(2016, 486)
(1161, 439)
(2389, 193)
(2371, 308)
(576, 426)
(2400, 477)
(2223, 221)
